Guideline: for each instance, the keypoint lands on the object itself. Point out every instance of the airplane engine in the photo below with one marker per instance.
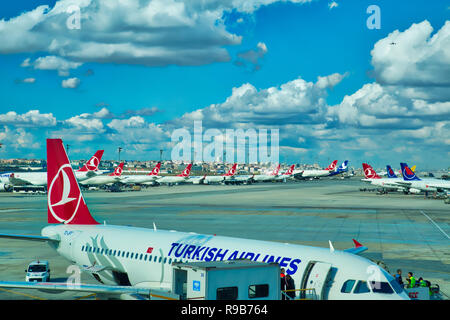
(414, 190)
(4, 187)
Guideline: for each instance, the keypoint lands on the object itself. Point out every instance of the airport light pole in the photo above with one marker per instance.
(160, 154)
(120, 149)
(67, 149)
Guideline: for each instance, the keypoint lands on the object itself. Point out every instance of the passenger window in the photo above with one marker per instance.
(154, 260)
(160, 258)
(82, 248)
(228, 293)
(140, 257)
(128, 254)
(145, 257)
(361, 287)
(114, 253)
(170, 261)
(348, 286)
(258, 291)
(165, 259)
(123, 254)
(131, 256)
(380, 287)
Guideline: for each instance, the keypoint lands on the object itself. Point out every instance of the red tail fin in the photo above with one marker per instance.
(155, 170)
(275, 171)
(369, 173)
(94, 161)
(332, 166)
(290, 170)
(65, 203)
(232, 171)
(186, 171)
(117, 171)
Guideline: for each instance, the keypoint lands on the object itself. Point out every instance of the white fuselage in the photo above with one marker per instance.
(171, 179)
(315, 173)
(138, 179)
(265, 177)
(214, 179)
(385, 182)
(100, 180)
(125, 250)
(429, 184)
(40, 178)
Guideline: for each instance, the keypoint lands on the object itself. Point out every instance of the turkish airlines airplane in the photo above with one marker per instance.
(286, 175)
(387, 183)
(101, 180)
(143, 179)
(412, 181)
(314, 174)
(219, 179)
(268, 177)
(183, 177)
(40, 178)
(130, 260)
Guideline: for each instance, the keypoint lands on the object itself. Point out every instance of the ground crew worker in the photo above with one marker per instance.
(412, 280)
(282, 283)
(422, 282)
(398, 277)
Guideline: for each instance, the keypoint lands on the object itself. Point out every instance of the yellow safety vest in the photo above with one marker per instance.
(413, 282)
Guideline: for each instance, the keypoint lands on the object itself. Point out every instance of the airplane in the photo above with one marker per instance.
(413, 182)
(148, 179)
(286, 175)
(220, 179)
(90, 169)
(108, 179)
(341, 169)
(267, 177)
(390, 183)
(183, 177)
(131, 261)
(315, 174)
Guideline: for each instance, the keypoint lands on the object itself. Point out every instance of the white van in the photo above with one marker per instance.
(38, 271)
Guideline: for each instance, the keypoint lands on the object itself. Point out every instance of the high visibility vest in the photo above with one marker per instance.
(422, 283)
(413, 282)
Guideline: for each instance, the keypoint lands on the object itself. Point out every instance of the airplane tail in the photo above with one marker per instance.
(117, 171)
(93, 163)
(65, 203)
(275, 171)
(290, 170)
(232, 171)
(390, 172)
(369, 173)
(407, 173)
(155, 170)
(186, 171)
(332, 166)
(343, 167)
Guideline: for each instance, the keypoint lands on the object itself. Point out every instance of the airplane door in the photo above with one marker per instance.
(317, 278)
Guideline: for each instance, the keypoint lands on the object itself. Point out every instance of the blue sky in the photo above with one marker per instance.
(301, 40)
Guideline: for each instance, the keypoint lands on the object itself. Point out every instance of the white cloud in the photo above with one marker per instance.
(414, 57)
(32, 118)
(70, 83)
(55, 63)
(332, 5)
(29, 80)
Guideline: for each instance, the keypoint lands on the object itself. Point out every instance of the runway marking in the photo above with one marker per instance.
(23, 294)
(435, 224)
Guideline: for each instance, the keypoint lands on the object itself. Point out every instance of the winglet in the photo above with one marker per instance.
(357, 244)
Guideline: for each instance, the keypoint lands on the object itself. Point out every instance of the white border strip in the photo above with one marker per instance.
(435, 224)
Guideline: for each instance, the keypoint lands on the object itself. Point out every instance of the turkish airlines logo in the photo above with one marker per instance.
(63, 195)
(92, 164)
(232, 171)
(118, 171)
(155, 171)
(369, 172)
(332, 166)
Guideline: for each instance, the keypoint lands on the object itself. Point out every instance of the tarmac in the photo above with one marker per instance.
(404, 232)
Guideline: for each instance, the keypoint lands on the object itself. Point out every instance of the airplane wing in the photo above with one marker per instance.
(357, 249)
(29, 238)
(127, 292)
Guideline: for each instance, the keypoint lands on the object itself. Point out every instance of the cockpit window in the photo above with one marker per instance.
(396, 286)
(381, 287)
(348, 286)
(361, 287)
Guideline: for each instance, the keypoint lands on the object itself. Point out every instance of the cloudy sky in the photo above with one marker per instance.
(104, 74)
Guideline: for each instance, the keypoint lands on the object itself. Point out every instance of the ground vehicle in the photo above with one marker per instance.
(38, 271)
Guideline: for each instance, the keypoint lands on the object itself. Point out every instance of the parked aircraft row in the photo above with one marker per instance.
(90, 176)
(131, 261)
(408, 183)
